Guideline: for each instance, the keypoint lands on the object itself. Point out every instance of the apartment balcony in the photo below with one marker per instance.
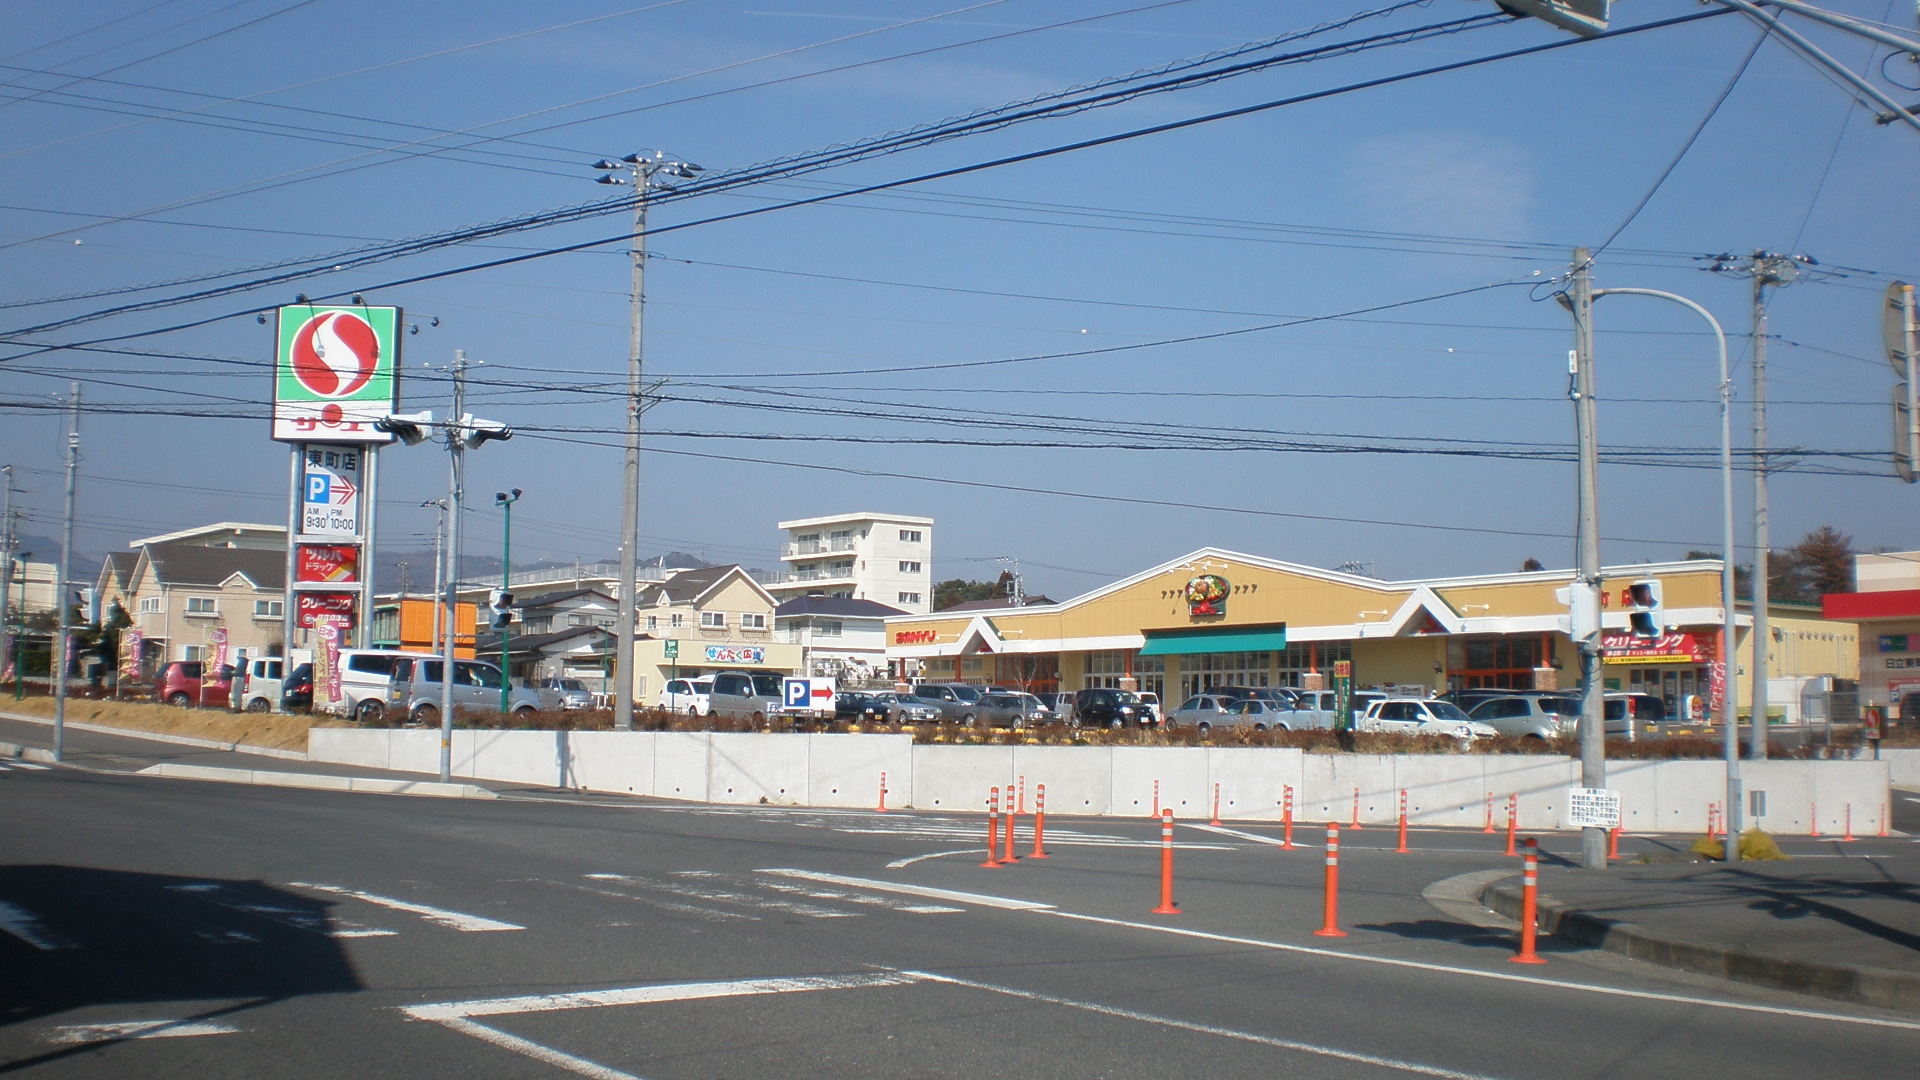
(808, 578)
(804, 549)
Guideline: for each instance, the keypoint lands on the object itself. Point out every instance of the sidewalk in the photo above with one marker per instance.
(1843, 926)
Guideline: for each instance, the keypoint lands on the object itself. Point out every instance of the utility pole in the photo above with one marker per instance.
(505, 502)
(439, 565)
(1593, 747)
(456, 478)
(642, 168)
(6, 570)
(57, 662)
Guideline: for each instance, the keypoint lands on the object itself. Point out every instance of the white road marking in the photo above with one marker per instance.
(1208, 1029)
(466, 924)
(979, 899)
(298, 918)
(136, 1029)
(859, 898)
(909, 861)
(456, 1015)
(694, 910)
(728, 896)
(1012, 904)
(31, 765)
(27, 926)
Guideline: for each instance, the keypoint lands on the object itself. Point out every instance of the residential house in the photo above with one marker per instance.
(700, 621)
(838, 637)
(181, 595)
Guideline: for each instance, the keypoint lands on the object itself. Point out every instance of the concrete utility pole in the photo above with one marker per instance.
(439, 563)
(642, 168)
(1593, 746)
(6, 570)
(57, 662)
(456, 479)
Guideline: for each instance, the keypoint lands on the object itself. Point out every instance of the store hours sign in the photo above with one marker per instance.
(330, 491)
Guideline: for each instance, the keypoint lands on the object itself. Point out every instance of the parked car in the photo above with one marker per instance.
(365, 676)
(263, 684)
(296, 692)
(1256, 714)
(1012, 710)
(855, 705)
(1152, 702)
(1059, 706)
(1422, 716)
(191, 682)
(559, 693)
(957, 702)
(740, 695)
(689, 696)
(1646, 712)
(908, 709)
(1529, 716)
(1200, 710)
(414, 690)
(1100, 707)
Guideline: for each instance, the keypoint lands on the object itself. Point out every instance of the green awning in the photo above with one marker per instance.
(1267, 637)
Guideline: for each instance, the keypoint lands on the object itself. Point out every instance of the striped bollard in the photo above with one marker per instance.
(1489, 830)
(883, 793)
(1009, 858)
(1402, 849)
(1287, 816)
(1513, 820)
(1813, 819)
(1529, 907)
(1039, 820)
(1331, 927)
(1215, 821)
(993, 830)
(1023, 795)
(1156, 798)
(1847, 837)
(1356, 808)
(1166, 865)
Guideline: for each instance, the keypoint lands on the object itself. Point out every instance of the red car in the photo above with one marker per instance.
(185, 682)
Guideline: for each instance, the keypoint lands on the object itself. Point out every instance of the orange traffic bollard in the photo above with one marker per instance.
(1215, 822)
(1529, 907)
(1010, 858)
(1489, 830)
(1356, 808)
(1813, 819)
(1166, 865)
(1331, 928)
(883, 793)
(993, 830)
(1847, 837)
(1886, 811)
(1039, 820)
(1402, 849)
(1513, 819)
(1713, 821)
(1023, 795)
(1156, 798)
(1613, 843)
(1287, 816)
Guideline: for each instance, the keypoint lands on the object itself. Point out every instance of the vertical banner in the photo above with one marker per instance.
(218, 637)
(132, 643)
(326, 663)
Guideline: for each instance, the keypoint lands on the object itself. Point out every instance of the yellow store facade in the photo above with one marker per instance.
(1221, 618)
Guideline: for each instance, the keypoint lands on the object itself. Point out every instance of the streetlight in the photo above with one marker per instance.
(642, 168)
(1730, 728)
(505, 620)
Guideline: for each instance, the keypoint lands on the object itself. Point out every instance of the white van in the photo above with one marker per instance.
(263, 682)
(690, 696)
(364, 675)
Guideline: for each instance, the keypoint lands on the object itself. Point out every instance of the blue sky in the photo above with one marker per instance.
(1444, 184)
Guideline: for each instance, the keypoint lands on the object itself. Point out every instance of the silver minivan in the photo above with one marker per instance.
(413, 690)
(742, 695)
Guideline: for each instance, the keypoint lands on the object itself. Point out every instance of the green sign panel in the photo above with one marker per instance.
(336, 371)
(672, 648)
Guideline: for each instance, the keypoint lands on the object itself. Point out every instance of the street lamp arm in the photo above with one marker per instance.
(1718, 334)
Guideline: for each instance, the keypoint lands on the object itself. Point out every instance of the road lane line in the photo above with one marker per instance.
(980, 899)
(1207, 1029)
(136, 1029)
(1011, 904)
(298, 918)
(27, 926)
(557, 1058)
(898, 863)
(728, 896)
(466, 924)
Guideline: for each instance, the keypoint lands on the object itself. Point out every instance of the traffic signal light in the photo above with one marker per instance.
(1643, 610)
(1583, 17)
(501, 601)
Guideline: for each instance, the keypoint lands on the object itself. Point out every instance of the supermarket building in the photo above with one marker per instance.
(1221, 618)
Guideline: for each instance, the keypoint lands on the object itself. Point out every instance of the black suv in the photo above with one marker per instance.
(1110, 708)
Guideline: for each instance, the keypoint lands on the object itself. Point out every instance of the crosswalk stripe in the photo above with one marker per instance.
(456, 920)
(27, 926)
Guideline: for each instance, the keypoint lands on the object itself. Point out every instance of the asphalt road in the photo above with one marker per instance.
(161, 928)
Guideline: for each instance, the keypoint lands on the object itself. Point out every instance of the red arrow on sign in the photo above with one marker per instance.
(343, 488)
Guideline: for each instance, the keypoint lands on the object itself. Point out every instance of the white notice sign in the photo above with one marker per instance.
(1593, 808)
(330, 496)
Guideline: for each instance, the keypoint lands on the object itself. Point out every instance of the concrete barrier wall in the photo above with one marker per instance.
(844, 771)
(1903, 766)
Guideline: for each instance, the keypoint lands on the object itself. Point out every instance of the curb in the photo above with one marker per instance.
(1879, 987)
(26, 753)
(154, 736)
(318, 781)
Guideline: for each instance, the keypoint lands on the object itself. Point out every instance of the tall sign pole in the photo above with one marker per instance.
(1586, 585)
(6, 571)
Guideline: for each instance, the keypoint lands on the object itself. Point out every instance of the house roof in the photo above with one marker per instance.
(192, 564)
(538, 600)
(119, 564)
(692, 586)
(997, 603)
(531, 644)
(835, 605)
(209, 532)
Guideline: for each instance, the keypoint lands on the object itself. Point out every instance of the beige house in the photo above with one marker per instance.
(702, 621)
(180, 591)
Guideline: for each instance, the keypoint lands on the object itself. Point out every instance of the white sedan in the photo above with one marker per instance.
(1417, 716)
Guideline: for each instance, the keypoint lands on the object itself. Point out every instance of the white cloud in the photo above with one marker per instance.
(1452, 183)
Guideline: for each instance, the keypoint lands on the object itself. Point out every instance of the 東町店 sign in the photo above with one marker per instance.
(1672, 648)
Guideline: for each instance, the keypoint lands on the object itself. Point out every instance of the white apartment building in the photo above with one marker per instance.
(886, 558)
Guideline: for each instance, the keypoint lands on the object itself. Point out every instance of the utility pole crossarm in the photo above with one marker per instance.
(1822, 58)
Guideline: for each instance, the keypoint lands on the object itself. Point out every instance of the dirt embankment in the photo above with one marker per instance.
(255, 729)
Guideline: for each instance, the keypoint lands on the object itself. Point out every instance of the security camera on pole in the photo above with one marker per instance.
(643, 169)
(462, 431)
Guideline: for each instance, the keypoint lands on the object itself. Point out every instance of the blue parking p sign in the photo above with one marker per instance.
(799, 693)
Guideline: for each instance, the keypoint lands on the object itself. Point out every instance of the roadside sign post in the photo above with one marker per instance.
(671, 648)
